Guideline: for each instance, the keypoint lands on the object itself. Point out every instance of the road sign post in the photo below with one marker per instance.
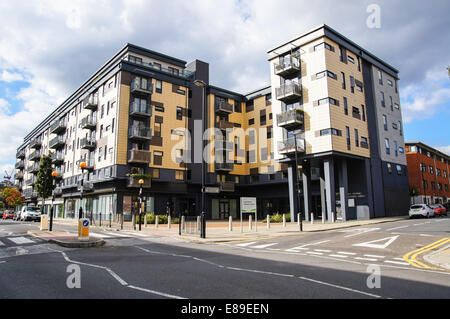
(248, 206)
(83, 229)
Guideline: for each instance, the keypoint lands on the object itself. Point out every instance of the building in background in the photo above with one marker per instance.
(428, 174)
(139, 116)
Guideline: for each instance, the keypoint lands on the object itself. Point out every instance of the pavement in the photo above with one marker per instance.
(219, 232)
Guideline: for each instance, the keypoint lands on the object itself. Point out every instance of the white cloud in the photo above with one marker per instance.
(444, 149)
(7, 76)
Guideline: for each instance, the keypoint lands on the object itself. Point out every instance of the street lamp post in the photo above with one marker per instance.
(83, 167)
(202, 84)
(54, 175)
(141, 181)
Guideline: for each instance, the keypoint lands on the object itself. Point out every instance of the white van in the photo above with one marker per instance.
(30, 213)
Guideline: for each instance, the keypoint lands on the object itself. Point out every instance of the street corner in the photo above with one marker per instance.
(435, 256)
(66, 239)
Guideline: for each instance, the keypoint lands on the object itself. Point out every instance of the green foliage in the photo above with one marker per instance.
(162, 219)
(44, 182)
(278, 218)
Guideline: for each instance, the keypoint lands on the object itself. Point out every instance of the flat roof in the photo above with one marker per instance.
(432, 149)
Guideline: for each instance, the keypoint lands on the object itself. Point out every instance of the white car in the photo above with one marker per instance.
(421, 209)
(30, 213)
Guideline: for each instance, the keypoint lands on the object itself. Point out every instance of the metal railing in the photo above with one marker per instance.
(90, 102)
(224, 107)
(89, 122)
(139, 156)
(288, 145)
(87, 143)
(182, 73)
(137, 108)
(288, 91)
(287, 66)
(57, 141)
(291, 118)
(140, 132)
(137, 85)
(58, 126)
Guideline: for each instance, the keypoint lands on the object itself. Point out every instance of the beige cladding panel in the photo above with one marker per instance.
(122, 125)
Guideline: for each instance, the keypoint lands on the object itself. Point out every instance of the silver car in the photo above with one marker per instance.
(421, 210)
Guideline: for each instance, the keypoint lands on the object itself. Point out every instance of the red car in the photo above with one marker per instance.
(7, 215)
(439, 210)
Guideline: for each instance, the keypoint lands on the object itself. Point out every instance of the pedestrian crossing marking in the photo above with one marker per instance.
(21, 240)
(264, 245)
(246, 244)
(1, 244)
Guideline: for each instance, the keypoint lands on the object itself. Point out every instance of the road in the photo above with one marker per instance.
(330, 264)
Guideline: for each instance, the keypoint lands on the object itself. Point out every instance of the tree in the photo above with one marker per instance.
(12, 197)
(44, 182)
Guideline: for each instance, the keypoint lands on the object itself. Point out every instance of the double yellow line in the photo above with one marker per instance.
(411, 257)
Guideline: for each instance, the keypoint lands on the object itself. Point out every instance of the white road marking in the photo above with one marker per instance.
(399, 227)
(99, 235)
(246, 244)
(374, 256)
(1, 262)
(366, 259)
(425, 235)
(136, 234)
(303, 246)
(1, 244)
(419, 224)
(340, 287)
(398, 258)
(371, 244)
(155, 292)
(20, 251)
(359, 231)
(314, 253)
(396, 262)
(21, 240)
(273, 249)
(264, 246)
(117, 235)
(323, 250)
(296, 248)
(346, 253)
(339, 256)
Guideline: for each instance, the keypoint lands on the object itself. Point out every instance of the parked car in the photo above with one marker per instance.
(439, 209)
(421, 209)
(30, 213)
(8, 214)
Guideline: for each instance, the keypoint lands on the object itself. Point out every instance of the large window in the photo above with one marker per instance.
(388, 148)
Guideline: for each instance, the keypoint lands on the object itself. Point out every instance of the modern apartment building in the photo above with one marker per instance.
(428, 173)
(141, 113)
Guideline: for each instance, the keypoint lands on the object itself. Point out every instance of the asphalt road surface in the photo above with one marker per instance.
(361, 262)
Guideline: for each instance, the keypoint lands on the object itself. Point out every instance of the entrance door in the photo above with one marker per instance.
(224, 209)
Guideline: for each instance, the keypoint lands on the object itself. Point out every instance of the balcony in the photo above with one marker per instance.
(289, 92)
(20, 165)
(227, 186)
(33, 169)
(87, 143)
(287, 146)
(90, 103)
(57, 158)
(57, 142)
(289, 66)
(291, 119)
(141, 133)
(87, 186)
(140, 109)
(35, 143)
(20, 154)
(19, 176)
(226, 167)
(58, 126)
(31, 181)
(223, 145)
(139, 156)
(152, 67)
(28, 193)
(223, 125)
(89, 122)
(35, 156)
(89, 163)
(134, 182)
(141, 87)
(224, 107)
(57, 191)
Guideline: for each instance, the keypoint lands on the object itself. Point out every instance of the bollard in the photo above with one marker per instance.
(230, 223)
(298, 219)
(121, 221)
(169, 221)
(145, 220)
(323, 218)
(179, 225)
(182, 223)
(312, 218)
(250, 222)
(284, 220)
(110, 219)
(100, 219)
(332, 217)
(199, 223)
(268, 221)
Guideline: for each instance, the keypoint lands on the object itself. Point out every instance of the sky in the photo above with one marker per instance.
(49, 48)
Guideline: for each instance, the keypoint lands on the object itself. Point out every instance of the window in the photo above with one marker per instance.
(385, 122)
(389, 82)
(363, 112)
(438, 172)
(157, 157)
(101, 131)
(431, 170)
(351, 59)
(389, 168)
(249, 106)
(99, 154)
(394, 126)
(179, 175)
(345, 106)
(401, 150)
(356, 138)
(251, 121)
(364, 142)
(396, 148)
(383, 103)
(392, 103)
(328, 100)
(446, 187)
(425, 184)
(359, 64)
(341, 54)
(343, 80)
(399, 169)
(157, 127)
(179, 113)
(102, 111)
(352, 84)
(159, 108)
(112, 126)
(388, 148)
(157, 65)
(440, 187)
(380, 77)
(106, 152)
(400, 127)
(348, 137)
(397, 106)
(433, 185)
(158, 87)
(155, 173)
(445, 174)
(423, 167)
(323, 45)
(237, 107)
(262, 119)
(328, 73)
(355, 112)
(329, 131)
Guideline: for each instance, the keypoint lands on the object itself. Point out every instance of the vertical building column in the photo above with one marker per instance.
(328, 167)
(306, 177)
(322, 193)
(370, 195)
(292, 180)
(343, 188)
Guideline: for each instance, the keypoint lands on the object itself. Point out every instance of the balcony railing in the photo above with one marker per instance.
(288, 92)
(20, 154)
(58, 126)
(29, 193)
(134, 182)
(139, 156)
(89, 122)
(224, 166)
(20, 165)
(224, 107)
(182, 73)
(31, 181)
(288, 66)
(34, 168)
(87, 186)
(227, 186)
(89, 163)
(35, 143)
(19, 176)
(57, 191)
(288, 146)
(223, 125)
(57, 158)
(36, 155)
(139, 109)
(137, 132)
(87, 143)
(90, 102)
(291, 119)
(57, 142)
(221, 144)
(143, 87)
